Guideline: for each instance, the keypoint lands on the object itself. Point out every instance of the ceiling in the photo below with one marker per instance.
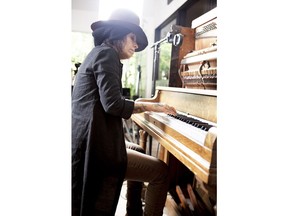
(87, 5)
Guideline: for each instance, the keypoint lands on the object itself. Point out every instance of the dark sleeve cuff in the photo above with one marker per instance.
(128, 109)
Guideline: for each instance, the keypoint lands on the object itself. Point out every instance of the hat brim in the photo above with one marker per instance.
(141, 38)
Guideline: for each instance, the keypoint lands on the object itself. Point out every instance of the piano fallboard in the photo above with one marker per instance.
(194, 147)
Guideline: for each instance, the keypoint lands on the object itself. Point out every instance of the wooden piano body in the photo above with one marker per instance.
(198, 69)
(195, 148)
(195, 101)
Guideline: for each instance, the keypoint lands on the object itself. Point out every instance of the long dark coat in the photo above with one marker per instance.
(99, 156)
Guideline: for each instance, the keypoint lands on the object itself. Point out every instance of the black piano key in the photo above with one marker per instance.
(192, 121)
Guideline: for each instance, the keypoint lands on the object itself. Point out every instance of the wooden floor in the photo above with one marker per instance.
(121, 208)
(169, 209)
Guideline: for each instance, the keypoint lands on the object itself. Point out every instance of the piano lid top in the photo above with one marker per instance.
(204, 18)
(187, 90)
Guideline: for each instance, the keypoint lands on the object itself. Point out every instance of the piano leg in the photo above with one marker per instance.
(163, 154)
(143, 138)
(143, 135)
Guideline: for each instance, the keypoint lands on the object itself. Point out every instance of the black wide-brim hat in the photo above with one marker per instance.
(128, 20)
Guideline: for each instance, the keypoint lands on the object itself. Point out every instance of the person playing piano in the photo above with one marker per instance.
(100, 159)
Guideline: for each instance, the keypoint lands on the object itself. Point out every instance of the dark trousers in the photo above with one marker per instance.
(134, 189)
(145, 168)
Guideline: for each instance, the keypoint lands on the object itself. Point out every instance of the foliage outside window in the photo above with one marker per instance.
(130, 73)
(82, 43)
(164, 62)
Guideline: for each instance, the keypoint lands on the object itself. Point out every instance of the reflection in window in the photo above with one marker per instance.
(164, 56)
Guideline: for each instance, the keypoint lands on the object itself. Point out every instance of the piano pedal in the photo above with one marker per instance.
(205, 204)
(192, 206)
(184, 208)
(192, 197)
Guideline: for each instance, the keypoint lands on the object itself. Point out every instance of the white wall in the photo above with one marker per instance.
(162, 10)
(84, 13)
(81, 20)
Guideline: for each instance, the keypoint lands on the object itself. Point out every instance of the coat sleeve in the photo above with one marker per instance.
(108, 71)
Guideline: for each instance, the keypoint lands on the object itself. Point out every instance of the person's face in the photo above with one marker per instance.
(129, 46)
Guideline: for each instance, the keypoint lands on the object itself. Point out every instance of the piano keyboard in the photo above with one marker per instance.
(190, 127)
(193, 121)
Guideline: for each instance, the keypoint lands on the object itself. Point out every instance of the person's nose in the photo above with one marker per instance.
(135, 45)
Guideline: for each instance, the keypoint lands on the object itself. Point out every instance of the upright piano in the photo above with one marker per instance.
(191, 136)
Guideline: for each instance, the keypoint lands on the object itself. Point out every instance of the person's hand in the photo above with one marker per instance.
(154, 107)
(162, 107)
